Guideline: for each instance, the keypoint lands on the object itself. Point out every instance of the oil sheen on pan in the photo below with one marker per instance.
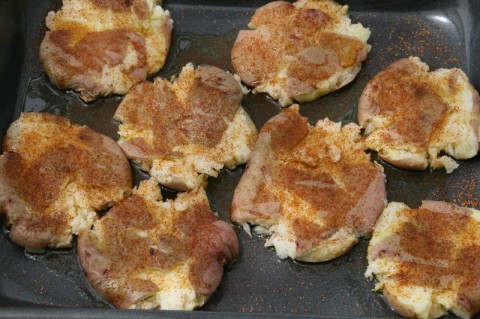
(438, 32)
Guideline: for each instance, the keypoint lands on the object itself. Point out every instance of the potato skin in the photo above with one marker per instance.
(411, 115)
(105, 51)
(299, 51)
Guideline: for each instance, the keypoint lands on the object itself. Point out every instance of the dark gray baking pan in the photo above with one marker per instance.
(443, 33)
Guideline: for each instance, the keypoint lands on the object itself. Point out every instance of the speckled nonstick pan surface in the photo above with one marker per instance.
(443, 33)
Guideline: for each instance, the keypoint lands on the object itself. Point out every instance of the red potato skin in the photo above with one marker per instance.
(75, 58)
(253, 202)
(251, 199)
(295, 41)
(72, 66)
(30, 188)
(197, 234)
(390, 94)
(427, 251)
(363, 216)
(213, 99)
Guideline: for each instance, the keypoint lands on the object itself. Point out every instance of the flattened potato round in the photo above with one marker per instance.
(426, 259)
(300, 51)
(183, 131)
(312, 189)
(146, 253)
(54, 176)
(411, 116)
(103, 47)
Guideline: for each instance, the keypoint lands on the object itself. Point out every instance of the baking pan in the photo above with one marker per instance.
(443, 33)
